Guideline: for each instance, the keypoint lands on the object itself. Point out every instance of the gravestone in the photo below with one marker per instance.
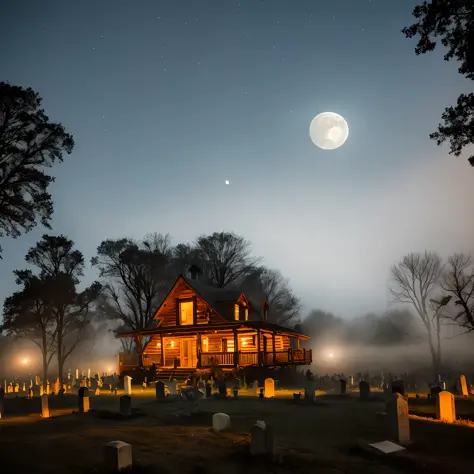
(269, 390)
(445, 408)
(201, 387)
(398, 387)
(309, 391)
(44, 406)
(222, 389)
(171, 384)
(220, 422)
(364, 390)
(255, 386)
(160, 390)
(257, 435)
(83, 399)
(397, 419)
(463, 386)
(127, 385)
(126, 405)
(117, 456)
(2, 402)
(343, 386)
(208, 390)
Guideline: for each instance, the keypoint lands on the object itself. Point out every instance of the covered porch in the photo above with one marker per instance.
(224, 347)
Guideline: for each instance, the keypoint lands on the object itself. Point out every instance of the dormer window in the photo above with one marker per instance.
(236, 312)
(246, 312)
(186, 312)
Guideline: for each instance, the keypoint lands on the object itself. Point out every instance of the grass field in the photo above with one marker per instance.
(321, 437)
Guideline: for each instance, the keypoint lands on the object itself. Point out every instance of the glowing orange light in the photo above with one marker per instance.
(25, 361)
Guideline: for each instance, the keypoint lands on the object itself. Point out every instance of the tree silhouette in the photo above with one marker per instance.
(29, 143)
(453, 22)
(225, 257)
(60, 268)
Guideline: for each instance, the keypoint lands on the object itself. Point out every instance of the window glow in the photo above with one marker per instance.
(236, 312)
(186, 312)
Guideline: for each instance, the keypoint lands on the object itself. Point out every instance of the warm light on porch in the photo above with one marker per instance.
(172, 343)
(158, 344)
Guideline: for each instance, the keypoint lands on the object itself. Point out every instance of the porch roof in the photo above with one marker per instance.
(205, 328)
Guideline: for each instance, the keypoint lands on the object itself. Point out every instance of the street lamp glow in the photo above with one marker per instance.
(25, 361)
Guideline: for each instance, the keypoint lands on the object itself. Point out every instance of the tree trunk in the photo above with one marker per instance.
(61, 370)
(60, 358)
(435, 355)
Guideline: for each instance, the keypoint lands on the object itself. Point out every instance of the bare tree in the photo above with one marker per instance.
(270, 285)
(28, 314)
(226, 258)
(458, 282)
(61, 267)
(135, 278)
(416, 277)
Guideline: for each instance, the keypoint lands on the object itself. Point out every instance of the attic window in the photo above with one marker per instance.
(246, 311)
(236, 312)
(186, 310)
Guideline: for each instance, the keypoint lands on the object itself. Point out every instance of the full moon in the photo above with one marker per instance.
(328, 131)
(227, 182)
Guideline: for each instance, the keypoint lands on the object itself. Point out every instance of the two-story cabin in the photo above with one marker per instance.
(199, 326)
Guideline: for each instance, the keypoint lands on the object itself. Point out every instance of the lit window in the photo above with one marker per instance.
(185, 313)
(236, 312)
(246, 314)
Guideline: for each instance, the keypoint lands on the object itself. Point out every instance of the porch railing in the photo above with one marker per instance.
(290, 356)
(216, 358)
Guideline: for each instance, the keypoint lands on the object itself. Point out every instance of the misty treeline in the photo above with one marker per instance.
(54, 309)
(439, 292)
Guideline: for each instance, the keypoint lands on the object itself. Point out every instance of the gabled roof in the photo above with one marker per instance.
(211, 294)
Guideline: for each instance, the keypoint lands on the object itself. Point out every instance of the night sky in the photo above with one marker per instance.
(169, 99)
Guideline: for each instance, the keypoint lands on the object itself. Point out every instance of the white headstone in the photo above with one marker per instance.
(397, 418)
(220, 422)
(117, 456)
(463, 386)
(269, 391)
(127, 384)
(172, 387)
(445, 409)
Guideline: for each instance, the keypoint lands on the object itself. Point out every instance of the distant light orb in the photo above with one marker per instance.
(328, 131)
(227, 182)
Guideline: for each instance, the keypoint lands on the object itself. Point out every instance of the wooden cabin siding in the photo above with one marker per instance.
(168, 312)
(154, 346)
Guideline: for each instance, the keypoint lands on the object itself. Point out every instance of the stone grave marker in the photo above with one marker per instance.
(171, 384)
(255, 387)
(222, 388)
(127, 385)
(364, 390)
(445, 408)
(343, 386)
(2, 402)
(44, 406)
(463, 386)
(201, 387)
(83, 399)
(126, 405)
(269, 391)
(117, 456)
(309, 391)
(160, 390)
(220, 422)
(257, 442)
(397, 419)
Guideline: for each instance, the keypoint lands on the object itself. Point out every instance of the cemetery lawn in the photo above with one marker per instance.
(323, 437)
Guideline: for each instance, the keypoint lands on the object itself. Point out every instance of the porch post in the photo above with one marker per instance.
(274, 347)
(236, 348)
(258, 348)
(139, 341)
(162, 350)
(199, 349)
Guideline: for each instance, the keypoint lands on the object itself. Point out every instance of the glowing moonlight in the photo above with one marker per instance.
(328, 131)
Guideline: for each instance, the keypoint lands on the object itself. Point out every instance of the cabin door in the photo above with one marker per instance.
(188, 355)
